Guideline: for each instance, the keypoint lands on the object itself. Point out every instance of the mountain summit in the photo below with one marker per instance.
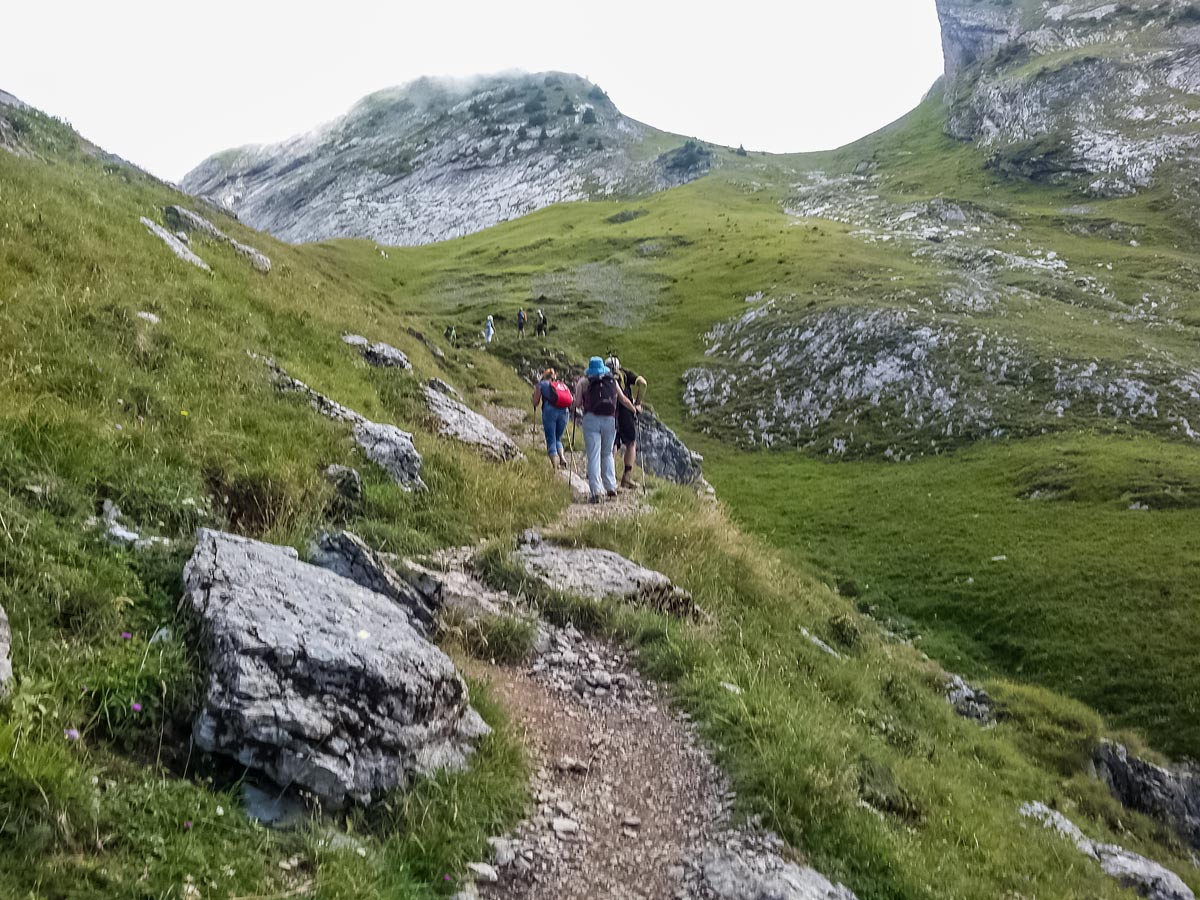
(437, 159)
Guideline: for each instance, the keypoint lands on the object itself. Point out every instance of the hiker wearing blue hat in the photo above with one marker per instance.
(598, 396)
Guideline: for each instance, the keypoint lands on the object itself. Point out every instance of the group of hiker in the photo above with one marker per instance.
(607, 401)
(542, 327)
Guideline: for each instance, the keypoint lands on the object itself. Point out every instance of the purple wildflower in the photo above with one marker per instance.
(136, 707)
(125, 635)
(188, 824)
(71, 734)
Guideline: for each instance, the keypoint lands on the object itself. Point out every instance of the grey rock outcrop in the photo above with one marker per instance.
(6, 670)
(661, 452)
(346, 554)
(1171, 795)
(185, 221)
(316, 681)
(1144, 876)
(1099, 94)
(969, 701)
(435, 159)
(731, 876)
(381, 355)
(389, 447)
(456, 420)
(602, 575)
(177, 246)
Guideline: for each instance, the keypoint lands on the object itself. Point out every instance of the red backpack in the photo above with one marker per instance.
(559, 395)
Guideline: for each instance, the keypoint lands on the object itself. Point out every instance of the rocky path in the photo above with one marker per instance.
(627, 801)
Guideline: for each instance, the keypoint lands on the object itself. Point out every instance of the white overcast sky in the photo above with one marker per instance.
(166, 83)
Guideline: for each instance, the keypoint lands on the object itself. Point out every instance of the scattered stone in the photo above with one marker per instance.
(6, 670)
(176, 245)
(149, 317)
(1171, 795)
(1135, 872)
(603, 575)
(184, 220)
(347, 555)
(732, 688)
(572, 765)
(662, 453)
(469, 892)
(969, 701)
(729, 877)
(347, 486)
(457, 421)
(389, 447)
(819, 644)
(563, 826)
(120, 534)
(314, 680)
(381, 355)
(483, 872)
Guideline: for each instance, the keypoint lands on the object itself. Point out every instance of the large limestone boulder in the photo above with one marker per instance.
(457, 421)
(346, 554)
(1144, 876)
(5, 653)
(601, 575)
(1171, 795)
(316, 681)
(730, 876)
(661, 452)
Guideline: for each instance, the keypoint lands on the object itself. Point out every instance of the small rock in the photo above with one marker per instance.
(571, 764)
(5, 653)
(563, 826)
(732, 688)
(483, 872)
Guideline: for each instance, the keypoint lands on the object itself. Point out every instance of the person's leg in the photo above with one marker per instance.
(550, 429)
(608, 435)
(592, 442)
(630, 459)
(560, 430)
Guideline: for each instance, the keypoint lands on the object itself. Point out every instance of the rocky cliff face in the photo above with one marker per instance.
(1101, 94)
(436, 160)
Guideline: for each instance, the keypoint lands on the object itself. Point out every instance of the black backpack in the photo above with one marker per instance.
(601, 399)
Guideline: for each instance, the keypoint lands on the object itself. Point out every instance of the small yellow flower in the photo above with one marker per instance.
(183, 412)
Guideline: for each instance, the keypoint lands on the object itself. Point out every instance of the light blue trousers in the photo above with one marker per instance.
(599, 434)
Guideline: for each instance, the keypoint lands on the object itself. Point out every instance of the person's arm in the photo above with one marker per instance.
(626, 402)
(639, 392)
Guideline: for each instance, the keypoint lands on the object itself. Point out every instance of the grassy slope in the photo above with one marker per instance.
(716, 241)
(807, 741)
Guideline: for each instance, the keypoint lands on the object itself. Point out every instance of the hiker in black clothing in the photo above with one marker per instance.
(633, 386)
(542, 325)
(521, 319)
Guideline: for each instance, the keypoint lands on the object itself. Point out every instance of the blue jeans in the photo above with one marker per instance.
(554, 423)
(600, 433)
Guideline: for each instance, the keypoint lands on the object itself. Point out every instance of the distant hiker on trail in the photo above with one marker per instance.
(541, 324)
(599, 397)
(451, 335)
(555, 399)
(489, 330)
(633, 386)
(522, 318)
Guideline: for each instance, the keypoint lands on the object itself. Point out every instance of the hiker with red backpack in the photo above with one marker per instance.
(555, 399)
(599, 397)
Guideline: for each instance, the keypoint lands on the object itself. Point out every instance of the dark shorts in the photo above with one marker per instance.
(626, 427)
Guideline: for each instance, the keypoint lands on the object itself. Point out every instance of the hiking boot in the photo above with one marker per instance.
(612, 495)
(627, 483)
(594, 499)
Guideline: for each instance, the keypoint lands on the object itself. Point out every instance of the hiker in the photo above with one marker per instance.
(489, 329)
(555, 399)
(598, 396)
(521, 319)
(542, 329)
(451, 335)
(633, 386)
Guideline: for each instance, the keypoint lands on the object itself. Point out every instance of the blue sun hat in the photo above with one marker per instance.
(596, 368)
